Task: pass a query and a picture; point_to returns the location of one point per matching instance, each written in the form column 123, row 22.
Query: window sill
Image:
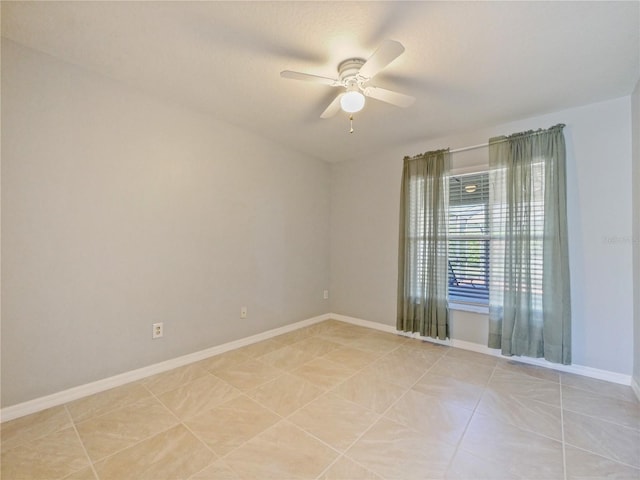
column 467, row 307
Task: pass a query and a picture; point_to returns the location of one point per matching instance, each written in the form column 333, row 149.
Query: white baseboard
column 636, row 387
column 65, row 396
column 476, row 347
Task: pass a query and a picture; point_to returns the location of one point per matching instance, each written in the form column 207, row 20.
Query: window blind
column 469, row 238
column 525, row 221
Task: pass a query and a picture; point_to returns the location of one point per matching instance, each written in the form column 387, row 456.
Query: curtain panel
column 530, row 310
column 422, row 253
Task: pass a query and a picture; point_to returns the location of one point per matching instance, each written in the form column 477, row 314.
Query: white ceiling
column 469, row 64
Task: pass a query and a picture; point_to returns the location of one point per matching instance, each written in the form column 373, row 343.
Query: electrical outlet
column 158, row 330
column 243, row 312
column 325, row 294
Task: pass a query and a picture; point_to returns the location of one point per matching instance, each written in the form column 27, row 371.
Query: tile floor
column 337, row 401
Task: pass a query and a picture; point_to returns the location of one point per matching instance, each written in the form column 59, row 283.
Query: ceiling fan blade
column 383, row 56
column 394, row 98
column 333, row 108
column 309, row 78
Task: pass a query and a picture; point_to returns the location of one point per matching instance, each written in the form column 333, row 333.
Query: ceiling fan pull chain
column 351, row 120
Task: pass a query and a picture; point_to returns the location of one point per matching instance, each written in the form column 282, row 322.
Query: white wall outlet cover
column 157, row 330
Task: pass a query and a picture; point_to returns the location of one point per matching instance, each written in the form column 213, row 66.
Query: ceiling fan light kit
column 352, row 101
column 354, row 75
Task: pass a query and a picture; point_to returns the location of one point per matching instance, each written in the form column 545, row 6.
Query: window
column 526, row 228
column 469, row 238
column 417, row 240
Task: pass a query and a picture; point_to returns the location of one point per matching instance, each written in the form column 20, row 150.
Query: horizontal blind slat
column 468, row 243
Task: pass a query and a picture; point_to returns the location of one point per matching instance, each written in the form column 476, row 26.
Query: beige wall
column 120, row 210
column 635, row 128
column 364, row 231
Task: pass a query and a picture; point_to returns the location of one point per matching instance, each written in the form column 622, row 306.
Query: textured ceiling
column 469, row 64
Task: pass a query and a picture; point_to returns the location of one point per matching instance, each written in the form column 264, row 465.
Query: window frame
column 462, row 304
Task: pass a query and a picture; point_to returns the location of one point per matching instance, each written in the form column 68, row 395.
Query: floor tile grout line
column 473, row 413
column 592, row 384
column 411, row 388
column 382, row 415
column 280, row 374
column 340, row 454
column 141, row 440
column 216, row 460
column 281, row 420
column 284, row 418
column 345, row 456
column 368, row 469
column 523, row 429
column 635, row 467
column 332, row 389
column 283, row 373
column 564, row 449
column 75, row 424
column 186, row 427
column 636, row 403
column 594, row 417
column 110, row 410
column 191, row 380
column 562, row 442
column 526, row 430
column 120, row 450
column 534, row 380
column 293, row 411
column 324, row 389
column 378, row 415
column 204, row 468
column 113, row 410
column 257, row 358
column 242, row 394
column 328, row 467
column 335, row 363
column 504, row 362
column 84, row 449
column 142, row 383
column 39, row 436
column 605, row 420
column 531, row 378
column 417, row 380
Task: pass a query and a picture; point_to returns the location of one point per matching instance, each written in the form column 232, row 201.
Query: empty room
column 320, row 240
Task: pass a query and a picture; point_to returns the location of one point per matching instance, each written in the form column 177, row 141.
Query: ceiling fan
column 354, row 75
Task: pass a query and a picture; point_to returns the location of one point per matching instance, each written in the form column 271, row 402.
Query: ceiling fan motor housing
column 348, row 70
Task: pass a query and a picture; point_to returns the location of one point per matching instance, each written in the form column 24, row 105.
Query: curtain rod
column 502, row 139
column 472, row 147
column 530, row 132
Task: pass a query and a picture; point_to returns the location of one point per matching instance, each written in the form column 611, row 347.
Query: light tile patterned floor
column 337, row 401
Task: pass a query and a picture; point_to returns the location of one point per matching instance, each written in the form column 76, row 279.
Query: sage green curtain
column 422, row 256
column 530, row 308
